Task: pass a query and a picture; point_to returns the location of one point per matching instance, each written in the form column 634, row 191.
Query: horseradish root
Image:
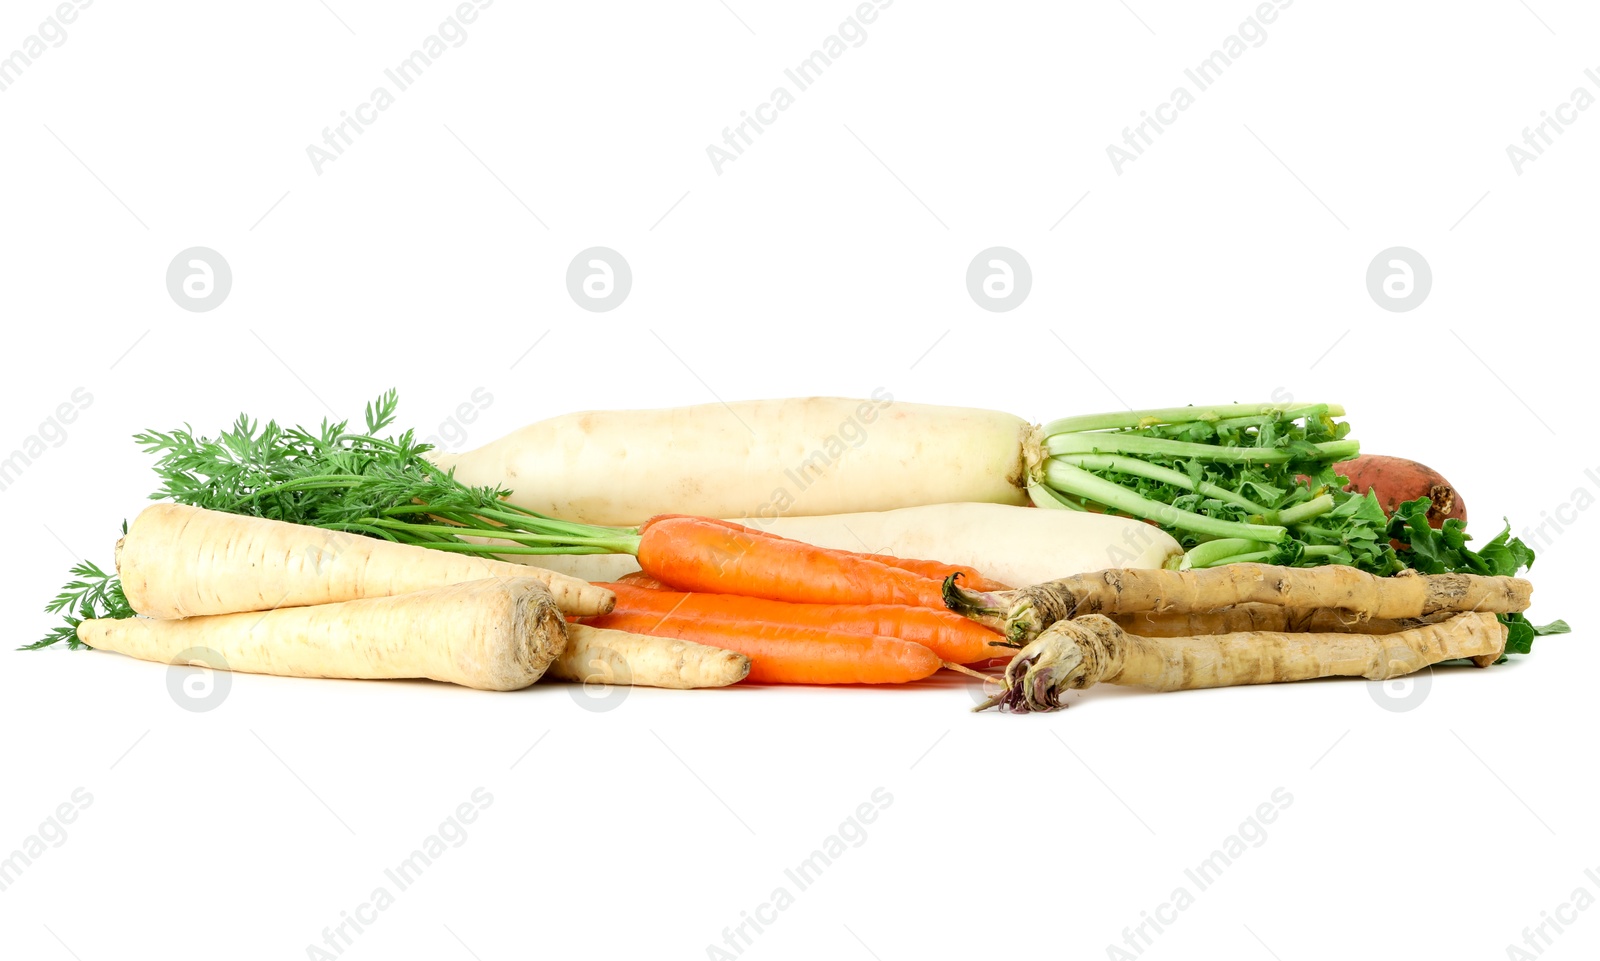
column 1264, row 617
column 1075, row 654
column 1022, row 614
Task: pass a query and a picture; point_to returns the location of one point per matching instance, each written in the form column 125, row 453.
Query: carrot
column 697, row 554
column 790, row 654
column 494, row 635
column 953, row 637
column 179, row 561
column 938, row 570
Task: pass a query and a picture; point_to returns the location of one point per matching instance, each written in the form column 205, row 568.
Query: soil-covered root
column 1022, row 614
column 1075, row 654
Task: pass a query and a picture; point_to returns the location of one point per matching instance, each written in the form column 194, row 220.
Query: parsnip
column 1075, row 654
column 494, row 635
column 178, row 561
column 600, row 655
column 815, row 455
column 1013, row 545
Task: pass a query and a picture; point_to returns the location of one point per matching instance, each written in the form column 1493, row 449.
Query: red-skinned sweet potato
column 1397, row 480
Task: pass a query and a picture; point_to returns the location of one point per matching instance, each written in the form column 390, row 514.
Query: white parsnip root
column 597, row 655
column 178, row 561
column 494, row 635
column 1075, row 654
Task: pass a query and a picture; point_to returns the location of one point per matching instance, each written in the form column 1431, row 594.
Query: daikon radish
column 814, row 455
column 1016, row 545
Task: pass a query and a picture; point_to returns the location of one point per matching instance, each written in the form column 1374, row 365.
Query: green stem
column 1204, row 555
column 1166, row 475
column 1250, row 558
column 492, row 549
column 535, row 523
column 1121, row 420
column 1161, row 447
column 1075, row 480
column 316, row 482
column 1300, row 513
column 1043, row 496
column 559, row 543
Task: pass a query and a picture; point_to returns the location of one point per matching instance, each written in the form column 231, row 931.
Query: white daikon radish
column 1014, row 545
column 764, row 458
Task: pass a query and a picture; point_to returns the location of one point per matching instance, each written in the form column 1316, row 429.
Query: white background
column 1227, row 263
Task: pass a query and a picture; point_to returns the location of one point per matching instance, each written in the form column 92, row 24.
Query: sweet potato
column 1397, row 480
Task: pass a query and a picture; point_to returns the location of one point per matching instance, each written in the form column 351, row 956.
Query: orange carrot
column 696, row 554
column 786, row 654
column 938, row 570
column 953, row 637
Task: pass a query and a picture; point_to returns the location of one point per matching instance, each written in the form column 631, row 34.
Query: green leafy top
column 1445, row 551
column 1271, row 469
column 1260, row 483
column 337, row 479
column 93, row 593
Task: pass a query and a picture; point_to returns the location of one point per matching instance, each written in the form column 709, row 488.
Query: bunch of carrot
column 801, row 613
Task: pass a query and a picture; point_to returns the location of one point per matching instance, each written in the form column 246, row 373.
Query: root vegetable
column 697, row 554
column 938, row 570
column 814, row 455
column 1013, row 545
column 952, row 637
column 1261, row 617
column 1022, row 614
column 1396, row 480
column 494, row 635
column 597, row 655
column 1075, row 654
column 789, row 654
column 178, row 561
